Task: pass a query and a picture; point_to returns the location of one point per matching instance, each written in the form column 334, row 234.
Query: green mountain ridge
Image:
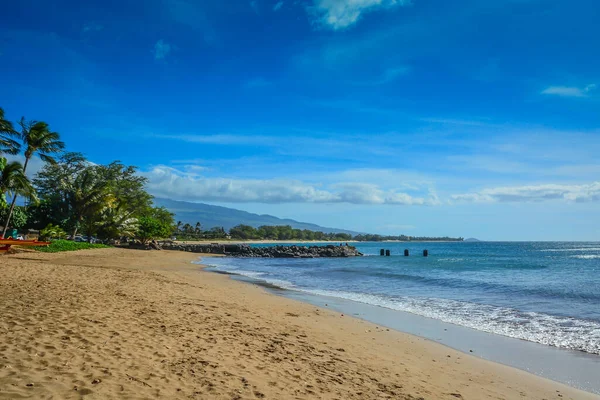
column 211, row 216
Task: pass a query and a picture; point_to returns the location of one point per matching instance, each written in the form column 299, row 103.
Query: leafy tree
column 13, row 182
column 127, row 200
column 55, row 184
column 37, row 138
column 19, row 219
column 100, row 199
column 7, row 143
column 52, row 232
column 243, row 232
column 88, row 199
column 187, row 230
column 216, row 232
column 150, row 227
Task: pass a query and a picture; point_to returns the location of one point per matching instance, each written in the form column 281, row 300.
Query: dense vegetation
column 283, row 233
column 246, row 232
column 68, row 245
column 404, row 238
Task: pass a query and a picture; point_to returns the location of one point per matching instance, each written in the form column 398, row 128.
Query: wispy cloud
column 341, row 14
column 187, row 184
column 570, row 91
column 254, row 5
column 534, row 193
column 223, row 139
column 278, row 6
column 35, row 163
column 161, row 49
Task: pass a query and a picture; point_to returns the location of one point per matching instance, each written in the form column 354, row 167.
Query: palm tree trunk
column 12, row 204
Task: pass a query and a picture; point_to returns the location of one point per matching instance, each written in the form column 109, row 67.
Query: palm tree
column 7, row 144
column 37, row 139
column 14, row 181
column 89, row 197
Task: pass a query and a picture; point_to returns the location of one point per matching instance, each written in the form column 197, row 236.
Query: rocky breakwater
column 244, row 250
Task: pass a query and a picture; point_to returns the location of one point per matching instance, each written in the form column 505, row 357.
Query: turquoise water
column 547, row 293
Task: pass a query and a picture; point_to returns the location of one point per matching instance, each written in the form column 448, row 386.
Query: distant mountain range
column 214, row 216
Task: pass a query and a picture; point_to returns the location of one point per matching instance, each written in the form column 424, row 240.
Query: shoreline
column 569, row 367
column 114, row 322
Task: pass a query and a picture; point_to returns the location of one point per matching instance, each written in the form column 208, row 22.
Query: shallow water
column 547, row 293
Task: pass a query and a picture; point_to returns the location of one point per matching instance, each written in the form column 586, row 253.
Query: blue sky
column 424, row 117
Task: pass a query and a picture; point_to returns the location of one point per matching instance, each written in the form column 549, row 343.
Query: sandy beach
column 115, row 323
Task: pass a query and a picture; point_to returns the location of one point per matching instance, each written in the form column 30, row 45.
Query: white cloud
column 278, row 6
column 569, row 91
column 34, row 166
column 225, row 139
column 535, row 193
column 187, row 184
column 161, row 49
column 341, row 14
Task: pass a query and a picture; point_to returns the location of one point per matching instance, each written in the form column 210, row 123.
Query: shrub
column 68, row 245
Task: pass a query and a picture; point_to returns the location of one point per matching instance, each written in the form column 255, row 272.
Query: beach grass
column 68, row 245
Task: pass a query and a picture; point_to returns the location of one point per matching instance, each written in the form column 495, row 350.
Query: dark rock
column 244, row 250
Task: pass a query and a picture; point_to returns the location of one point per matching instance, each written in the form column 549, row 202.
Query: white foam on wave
column 562, row 332
column 587, row 256
column 260, row 276
column 573, row 249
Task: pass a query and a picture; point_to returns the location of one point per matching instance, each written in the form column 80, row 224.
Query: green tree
column 8, row 144
column 243, row 232
column 127, row 200
column 217, row 232
column 100, row 199
column 154, row 227
column 88, row 199
column 20, row 217
column 13, row 182
column 55, row 186
column 52, row 232
column 37, row 138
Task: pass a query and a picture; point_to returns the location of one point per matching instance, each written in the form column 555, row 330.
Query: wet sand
column 115, row 323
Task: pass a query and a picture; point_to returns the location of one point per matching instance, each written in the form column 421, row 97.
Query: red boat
column 6, row 243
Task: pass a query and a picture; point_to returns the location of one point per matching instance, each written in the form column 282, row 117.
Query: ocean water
column 543, row 292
